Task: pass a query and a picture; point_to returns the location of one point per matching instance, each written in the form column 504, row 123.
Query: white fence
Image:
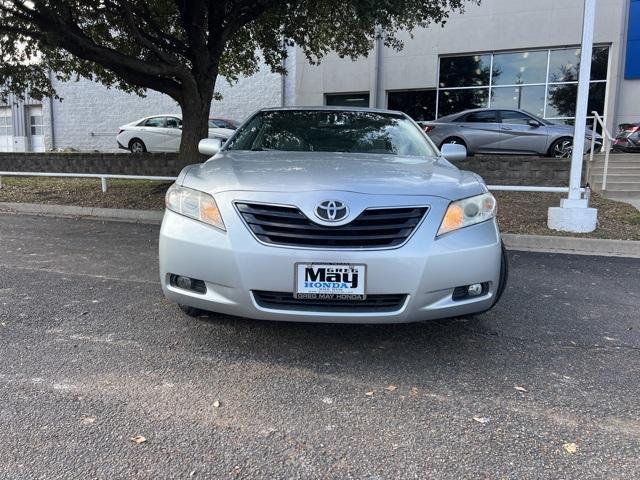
column 105, row 176
column 102, row 176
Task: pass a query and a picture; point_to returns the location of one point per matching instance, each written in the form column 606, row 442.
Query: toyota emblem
column 331, row 211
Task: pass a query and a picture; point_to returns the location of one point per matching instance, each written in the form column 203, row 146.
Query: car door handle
column 506, row 128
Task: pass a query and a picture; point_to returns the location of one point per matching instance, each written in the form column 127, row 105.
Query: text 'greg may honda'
column 331, row 215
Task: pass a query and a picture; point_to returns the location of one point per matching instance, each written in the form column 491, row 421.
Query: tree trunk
column 196, row 106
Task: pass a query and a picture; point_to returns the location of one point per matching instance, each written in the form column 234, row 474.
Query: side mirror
column 533, row 123
column 454, row 152
column 209, row 146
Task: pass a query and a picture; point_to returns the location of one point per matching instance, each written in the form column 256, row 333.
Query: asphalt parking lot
column 547, row 385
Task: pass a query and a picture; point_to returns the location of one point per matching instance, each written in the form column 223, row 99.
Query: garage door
column 6, row 130
column 37, row 128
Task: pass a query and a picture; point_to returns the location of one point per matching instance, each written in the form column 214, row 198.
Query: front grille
column 372, row 304
column 373, row 228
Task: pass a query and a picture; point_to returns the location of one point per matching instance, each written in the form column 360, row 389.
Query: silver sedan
column 331, row 215
column 505, row 131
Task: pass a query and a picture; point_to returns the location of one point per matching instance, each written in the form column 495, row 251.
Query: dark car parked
column 628, row 138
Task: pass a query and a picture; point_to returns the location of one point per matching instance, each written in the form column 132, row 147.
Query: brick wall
column 522, row 170
column 160, row 164
column 494, row 170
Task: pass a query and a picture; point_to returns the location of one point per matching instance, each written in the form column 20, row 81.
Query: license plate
column 330, row 281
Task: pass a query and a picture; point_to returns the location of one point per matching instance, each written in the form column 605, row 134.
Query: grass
column 518, row 212
column 136, row 194
column 526, row 213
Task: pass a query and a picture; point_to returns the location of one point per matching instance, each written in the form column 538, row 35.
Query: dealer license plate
column 330, row 281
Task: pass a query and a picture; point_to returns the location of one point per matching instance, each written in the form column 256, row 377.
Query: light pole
column 574, row 214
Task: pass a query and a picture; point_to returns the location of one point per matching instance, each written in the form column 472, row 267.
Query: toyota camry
column 331, row 215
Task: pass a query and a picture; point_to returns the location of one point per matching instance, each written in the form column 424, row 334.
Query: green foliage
column 180, row 47
column 174, row 45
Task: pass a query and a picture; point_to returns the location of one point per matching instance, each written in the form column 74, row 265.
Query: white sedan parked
column 162, row 133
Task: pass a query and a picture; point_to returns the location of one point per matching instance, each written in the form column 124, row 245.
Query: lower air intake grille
column 372, row 304
column 373, row 228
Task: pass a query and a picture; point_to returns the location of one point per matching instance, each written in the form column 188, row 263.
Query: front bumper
column 234, row 264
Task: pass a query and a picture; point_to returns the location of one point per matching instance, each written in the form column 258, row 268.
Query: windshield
column 332, row 131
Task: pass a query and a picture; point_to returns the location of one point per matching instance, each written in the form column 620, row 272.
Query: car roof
column 473, row 110
column 178, row 115
column 502, row 109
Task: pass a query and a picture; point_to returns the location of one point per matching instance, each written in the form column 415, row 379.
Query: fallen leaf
column 520, row 389
column 482, row 420
column 216, row 403
column 391, row 388
column 369, row 394
column 138, row 439
column 414, row 392
column 570, row 447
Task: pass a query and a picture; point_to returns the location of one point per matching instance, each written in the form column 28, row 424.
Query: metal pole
column 575, row 177
column 377, row 66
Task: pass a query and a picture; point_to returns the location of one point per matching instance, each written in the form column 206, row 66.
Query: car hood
column 315, row 171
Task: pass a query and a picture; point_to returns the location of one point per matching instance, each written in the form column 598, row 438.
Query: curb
column 572, row 245
column 114, row 214
column 526, row 243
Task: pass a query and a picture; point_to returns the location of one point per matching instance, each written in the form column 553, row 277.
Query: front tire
column 192, row 311
column 562, row 148
column 137, row 146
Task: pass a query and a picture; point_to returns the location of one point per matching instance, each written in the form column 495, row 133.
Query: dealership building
column 502, row 53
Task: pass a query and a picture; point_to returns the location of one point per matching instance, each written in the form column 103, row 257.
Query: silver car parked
column 505, row 131
column 331, row 215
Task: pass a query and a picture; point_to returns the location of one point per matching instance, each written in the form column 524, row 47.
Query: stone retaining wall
column 495, row 170
column 160, row 164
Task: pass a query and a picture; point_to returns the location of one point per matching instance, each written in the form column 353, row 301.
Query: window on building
column 6, row 130
column 36, row 123
column 542, row 82
column 456, row 100
column 467, row 71
column 561, row 100
column 6, row 125
column 418, row 104
column 349, row 100
column 519, row 68
column 529, row 98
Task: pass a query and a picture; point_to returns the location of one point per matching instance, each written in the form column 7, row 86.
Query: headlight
column 194, row 204
column 468, row 211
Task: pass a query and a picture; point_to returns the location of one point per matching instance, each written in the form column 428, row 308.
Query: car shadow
column 354, row 349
